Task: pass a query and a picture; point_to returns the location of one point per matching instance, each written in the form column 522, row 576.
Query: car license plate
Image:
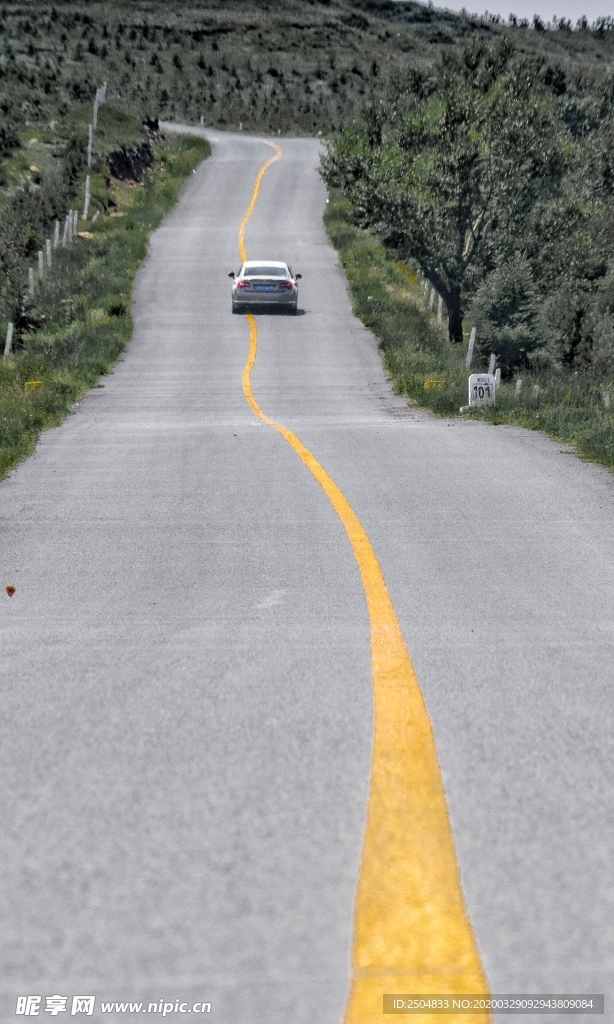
column 264, row 287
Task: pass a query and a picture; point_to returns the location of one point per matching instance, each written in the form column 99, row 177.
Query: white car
column 264, row 283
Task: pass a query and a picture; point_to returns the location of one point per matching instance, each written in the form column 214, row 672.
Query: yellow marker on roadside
column 412, row 934
column 33, row 385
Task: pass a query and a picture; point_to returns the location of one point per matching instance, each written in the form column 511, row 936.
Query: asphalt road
column 187, row 707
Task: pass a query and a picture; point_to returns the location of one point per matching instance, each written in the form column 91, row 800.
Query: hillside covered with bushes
column 299, row 66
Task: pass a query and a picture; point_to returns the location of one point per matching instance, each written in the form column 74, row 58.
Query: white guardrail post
column 86, row 204
column 9, row 339
column 470, row 349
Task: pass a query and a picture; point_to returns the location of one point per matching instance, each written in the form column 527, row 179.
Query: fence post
column 439, row 309
column 41, row 265
column 86, row 205
column 491, row 363
column 518, row 387
column 75, row 215
column 48, row 247
column 432, row 298
column 470, row 349
column 9, row 339
column 31, row 281
column 56, row 234
column 90, row 141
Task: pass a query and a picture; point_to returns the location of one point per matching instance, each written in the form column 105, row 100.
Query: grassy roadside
column 79, row 320
column 574, row 408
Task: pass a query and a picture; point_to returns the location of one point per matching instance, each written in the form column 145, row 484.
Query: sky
column 572, row 9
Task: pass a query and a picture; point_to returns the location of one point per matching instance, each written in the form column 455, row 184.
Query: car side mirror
column 297, row 277
column 232, row 273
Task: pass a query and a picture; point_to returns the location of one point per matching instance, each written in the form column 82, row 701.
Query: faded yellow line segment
column 411, row 930
column 250, row 208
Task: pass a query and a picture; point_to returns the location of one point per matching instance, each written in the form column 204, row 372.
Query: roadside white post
column 48, row 248
column 31, row 282
column 96, row 216
column 86, row 205
column 491, row 363
column 439, row 309
column 41, row 265
column 606, row 399
column 90, row 141
column 75, row 221
column 470, row 349
column 536, row 391
column 56, row 234
column 482, row 389
column 432, row 298
column 202, row 118
column 8, row 340
column 497, row 377
column 518, row 387
column 96, row 102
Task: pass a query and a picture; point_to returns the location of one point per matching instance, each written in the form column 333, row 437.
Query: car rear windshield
column 264, row 272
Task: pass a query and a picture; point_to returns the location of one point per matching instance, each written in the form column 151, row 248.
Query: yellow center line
column 411, row 929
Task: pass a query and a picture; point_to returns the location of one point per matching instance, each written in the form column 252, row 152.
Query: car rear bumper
column 266, row 299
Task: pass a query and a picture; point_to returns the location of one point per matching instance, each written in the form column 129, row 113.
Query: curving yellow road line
column 412, row 933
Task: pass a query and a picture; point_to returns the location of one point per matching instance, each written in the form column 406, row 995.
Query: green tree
column 443, row 174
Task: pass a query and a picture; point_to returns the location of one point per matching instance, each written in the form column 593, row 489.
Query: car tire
column 294, row 308
column 235, row 308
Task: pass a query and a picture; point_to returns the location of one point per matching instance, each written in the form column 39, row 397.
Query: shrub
column 503, row 311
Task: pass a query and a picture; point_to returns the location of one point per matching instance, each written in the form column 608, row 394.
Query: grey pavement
column 187, row 696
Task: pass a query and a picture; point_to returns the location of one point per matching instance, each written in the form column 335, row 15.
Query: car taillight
column 243, row 284
column 288, row 285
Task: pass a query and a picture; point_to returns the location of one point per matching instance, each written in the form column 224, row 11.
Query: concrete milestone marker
column 482, row 388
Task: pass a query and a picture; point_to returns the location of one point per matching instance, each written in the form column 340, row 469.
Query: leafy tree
column 445, row 174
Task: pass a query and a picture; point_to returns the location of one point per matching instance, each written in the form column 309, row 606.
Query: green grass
column 80, row 315
column 389, row 299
